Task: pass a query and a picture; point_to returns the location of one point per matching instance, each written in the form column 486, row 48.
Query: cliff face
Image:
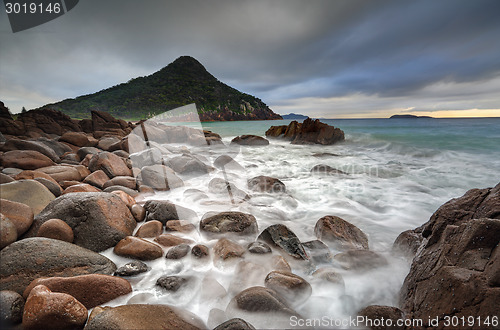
column 182, row 82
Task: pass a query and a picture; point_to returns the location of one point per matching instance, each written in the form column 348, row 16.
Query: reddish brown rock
column 168, row 240
column 150, row 229
column 68, row 183
column 138, row 212
column 80, row 187
column 126, row 198
column 340, row 233
column 182, row 226
column 225, row 249
column 138, row 248
column 59, row 310
column 78, row 139
column 97, row 179
column 19, row 214
column 25, row 159
column 91, row 290
column 62, row 173
column 143, row 317
column 56, row 229
column 110, row 163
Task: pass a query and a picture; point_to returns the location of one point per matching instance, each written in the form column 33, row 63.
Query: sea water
column 399, row 171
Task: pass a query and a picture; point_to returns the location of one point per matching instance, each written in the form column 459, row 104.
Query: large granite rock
column 309, row 132
column 266, row 184
column 99, row 220
column 143, row 317
column 456, row 269
column 45, row 308
column 25, row 260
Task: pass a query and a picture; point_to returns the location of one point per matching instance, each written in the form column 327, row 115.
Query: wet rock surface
column 280, row 236
column 60, row 310
column 138, row 248
column 460, row 248
column 91, row 290
column 132, row 268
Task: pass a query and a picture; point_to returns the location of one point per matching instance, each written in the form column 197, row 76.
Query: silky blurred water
column 399, row 171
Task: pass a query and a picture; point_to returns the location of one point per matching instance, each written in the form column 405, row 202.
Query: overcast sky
column 329, row 58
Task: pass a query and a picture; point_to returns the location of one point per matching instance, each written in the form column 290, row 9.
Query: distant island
column 294, row 116
column 182, row 82
column 408, row 117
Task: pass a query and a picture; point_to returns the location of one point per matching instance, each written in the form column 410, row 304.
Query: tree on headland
column 23, row 110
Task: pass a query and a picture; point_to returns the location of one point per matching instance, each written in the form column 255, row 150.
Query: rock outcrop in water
column 455, row 272
column 308, row 132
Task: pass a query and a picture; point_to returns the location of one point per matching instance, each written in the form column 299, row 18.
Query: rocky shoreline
column 71, row 190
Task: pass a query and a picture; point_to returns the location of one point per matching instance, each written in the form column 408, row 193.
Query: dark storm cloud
column 278, row 50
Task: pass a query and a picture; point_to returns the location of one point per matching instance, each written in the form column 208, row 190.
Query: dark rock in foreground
column 309, row 132
column 456, row 269
column 99, row 220
column 31, row 258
